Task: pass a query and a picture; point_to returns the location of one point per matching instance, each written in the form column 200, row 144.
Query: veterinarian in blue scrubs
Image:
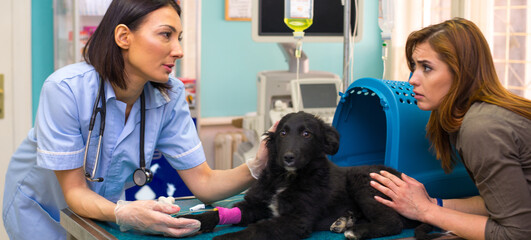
column 454, row 77
column 132, row 52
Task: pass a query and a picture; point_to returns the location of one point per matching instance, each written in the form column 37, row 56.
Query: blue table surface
column 185, row 204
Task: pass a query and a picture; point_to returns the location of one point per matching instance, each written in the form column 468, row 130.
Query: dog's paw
column 342, row 223
column 350, row 235
column 208, row 220
column 339, row 225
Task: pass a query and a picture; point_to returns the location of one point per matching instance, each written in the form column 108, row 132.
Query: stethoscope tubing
column 142, row 129
column 102, row 111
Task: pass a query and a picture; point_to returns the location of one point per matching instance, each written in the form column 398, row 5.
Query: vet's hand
column 153, row 217
column 408, row 196
column 258, row 163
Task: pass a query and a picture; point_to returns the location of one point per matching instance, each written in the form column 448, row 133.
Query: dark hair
column 101, row 50
column 460, row 44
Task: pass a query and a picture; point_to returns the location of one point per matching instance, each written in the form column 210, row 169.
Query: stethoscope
column 142, row 175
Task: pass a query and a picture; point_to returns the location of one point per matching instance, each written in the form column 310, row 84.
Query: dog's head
column 300, row 138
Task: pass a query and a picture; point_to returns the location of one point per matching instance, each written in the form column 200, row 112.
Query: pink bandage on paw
column 229, row 215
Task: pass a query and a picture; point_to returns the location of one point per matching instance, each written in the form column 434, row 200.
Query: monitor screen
column 268, row 21
column 323, row 95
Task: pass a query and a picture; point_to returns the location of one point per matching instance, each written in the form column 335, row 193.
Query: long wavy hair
column 101, row 50
column 461, row 45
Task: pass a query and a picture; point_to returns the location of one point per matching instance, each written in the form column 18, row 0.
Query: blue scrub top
column 33, row 197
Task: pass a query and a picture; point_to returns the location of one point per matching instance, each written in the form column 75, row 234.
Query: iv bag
column 386, row 17
column 298, row 14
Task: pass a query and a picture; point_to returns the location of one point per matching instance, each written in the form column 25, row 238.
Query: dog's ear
column 270, row 144
column 269, row 138
column 331, row 140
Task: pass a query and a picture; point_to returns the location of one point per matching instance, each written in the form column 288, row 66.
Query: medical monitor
column 268, row 21
column 318, row 96
column 321, row 95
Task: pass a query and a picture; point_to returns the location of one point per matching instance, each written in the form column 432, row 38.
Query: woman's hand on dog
column 258, row 163
column 408, row 196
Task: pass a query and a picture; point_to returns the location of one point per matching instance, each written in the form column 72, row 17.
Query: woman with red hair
column 475, row 120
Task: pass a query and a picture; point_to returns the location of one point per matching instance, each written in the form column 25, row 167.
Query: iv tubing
column 384, row 57
column 298, row 52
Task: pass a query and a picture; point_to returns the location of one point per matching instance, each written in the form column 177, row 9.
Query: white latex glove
column 150, row 216
column 257, row 164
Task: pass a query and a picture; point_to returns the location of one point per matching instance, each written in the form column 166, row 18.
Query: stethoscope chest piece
column 142, row 176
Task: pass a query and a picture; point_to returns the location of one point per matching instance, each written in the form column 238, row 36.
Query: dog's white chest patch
column 274, row 202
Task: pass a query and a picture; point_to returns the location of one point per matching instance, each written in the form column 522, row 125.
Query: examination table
column 86, row 229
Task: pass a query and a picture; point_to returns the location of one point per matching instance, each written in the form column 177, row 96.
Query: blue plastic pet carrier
column 379, row 123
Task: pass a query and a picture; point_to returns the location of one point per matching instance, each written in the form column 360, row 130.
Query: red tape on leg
column 229, row 215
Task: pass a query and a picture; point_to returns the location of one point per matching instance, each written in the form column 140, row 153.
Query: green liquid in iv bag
column 298, row 14
column 298, row 24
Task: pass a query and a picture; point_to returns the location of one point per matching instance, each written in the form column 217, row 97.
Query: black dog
column 301, row 191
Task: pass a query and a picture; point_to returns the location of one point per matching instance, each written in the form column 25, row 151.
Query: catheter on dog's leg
column 219, row 216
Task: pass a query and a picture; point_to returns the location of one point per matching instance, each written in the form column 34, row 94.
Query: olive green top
column 495, row 146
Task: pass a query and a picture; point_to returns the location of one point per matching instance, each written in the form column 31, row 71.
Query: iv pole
column 346, row 44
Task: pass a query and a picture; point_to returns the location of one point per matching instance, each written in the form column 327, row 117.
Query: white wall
column 15, row 65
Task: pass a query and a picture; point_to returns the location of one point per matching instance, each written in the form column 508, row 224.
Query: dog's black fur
column 301, row 191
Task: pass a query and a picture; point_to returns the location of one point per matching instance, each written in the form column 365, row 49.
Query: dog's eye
column 306, row 134
column 283, row 133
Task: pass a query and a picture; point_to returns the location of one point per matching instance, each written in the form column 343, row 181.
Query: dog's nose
column 289, row 158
